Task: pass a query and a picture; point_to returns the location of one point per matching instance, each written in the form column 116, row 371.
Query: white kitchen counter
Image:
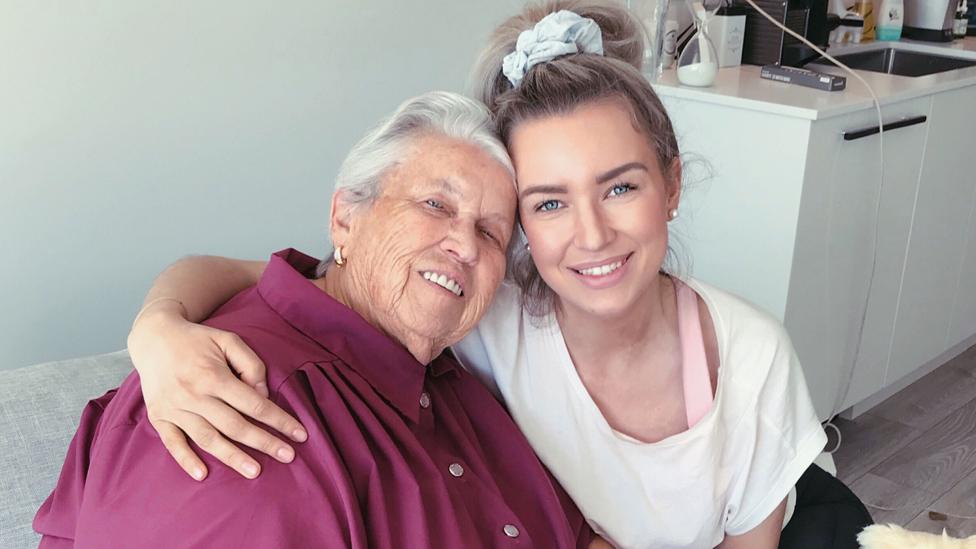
column 741, row 87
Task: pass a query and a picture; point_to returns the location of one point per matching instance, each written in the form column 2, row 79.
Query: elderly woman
column 415, row 452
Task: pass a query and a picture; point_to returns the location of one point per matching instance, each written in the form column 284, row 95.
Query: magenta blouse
column 399, row 454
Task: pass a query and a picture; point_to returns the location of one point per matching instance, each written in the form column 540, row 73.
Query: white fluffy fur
column 889, row 536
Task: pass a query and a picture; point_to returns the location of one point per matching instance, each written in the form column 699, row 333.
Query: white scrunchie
column 560, row 33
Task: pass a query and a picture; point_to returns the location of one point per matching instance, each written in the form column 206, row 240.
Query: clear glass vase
column 653, row 16
column 698, row 63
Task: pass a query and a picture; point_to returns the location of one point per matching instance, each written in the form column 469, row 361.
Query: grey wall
column 135, row 132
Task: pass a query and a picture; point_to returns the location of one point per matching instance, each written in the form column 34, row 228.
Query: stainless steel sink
column 900, row 62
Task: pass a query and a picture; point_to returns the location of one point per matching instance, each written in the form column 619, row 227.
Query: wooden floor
column 914, row 455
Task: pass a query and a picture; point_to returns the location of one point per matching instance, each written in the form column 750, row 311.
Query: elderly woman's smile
column 425, row 258
column 445, row 281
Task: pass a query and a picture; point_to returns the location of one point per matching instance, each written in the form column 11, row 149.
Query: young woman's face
column 594, row 205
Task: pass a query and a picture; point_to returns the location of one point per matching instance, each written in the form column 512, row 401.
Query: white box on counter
column 727, row 30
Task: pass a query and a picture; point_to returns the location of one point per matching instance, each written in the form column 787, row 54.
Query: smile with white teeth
column 602, row 270
column 444, row 282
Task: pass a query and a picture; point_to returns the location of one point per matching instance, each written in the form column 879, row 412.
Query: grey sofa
column 40, row 407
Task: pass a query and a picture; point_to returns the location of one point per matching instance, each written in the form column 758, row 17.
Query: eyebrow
column 620, row 170
column 495, row 216
column 445, row 186
column 600, row 179
column 543, row 189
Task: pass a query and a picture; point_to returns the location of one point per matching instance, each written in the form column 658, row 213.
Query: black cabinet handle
column 903, row 123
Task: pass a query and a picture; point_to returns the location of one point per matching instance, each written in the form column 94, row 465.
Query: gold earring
column 337, row 256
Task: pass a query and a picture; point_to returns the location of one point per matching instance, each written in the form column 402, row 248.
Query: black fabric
column 827, row 515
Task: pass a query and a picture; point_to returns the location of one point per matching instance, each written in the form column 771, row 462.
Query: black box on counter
column 803, row 77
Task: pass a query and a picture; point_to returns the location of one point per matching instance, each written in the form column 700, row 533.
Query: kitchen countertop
column 741, row 87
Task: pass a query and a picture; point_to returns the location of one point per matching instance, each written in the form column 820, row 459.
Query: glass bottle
column 653, row 15
column 961, row 22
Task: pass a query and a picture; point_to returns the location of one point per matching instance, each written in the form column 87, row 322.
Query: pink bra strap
column 694, row 365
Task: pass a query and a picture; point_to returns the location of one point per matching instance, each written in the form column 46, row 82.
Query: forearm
column 204, row 283
column 198, row 382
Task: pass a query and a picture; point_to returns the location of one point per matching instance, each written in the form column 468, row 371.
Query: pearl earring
column 337, row 256
column 672, row 213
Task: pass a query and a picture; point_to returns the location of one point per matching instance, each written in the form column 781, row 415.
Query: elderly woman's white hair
column 444, row 113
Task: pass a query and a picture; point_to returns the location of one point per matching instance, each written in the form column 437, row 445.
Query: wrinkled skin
column 449, row 208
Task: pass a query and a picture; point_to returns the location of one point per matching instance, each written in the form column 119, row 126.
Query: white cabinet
column 962, row 322
column 937, row 246
column 787, row 219
column 848, row 242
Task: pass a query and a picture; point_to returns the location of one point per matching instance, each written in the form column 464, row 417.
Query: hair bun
column 622, row 32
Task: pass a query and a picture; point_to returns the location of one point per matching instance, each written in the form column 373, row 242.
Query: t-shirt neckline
column 552, row 335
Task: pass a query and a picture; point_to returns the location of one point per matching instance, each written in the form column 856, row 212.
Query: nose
column 592, row 231
column 461, row 242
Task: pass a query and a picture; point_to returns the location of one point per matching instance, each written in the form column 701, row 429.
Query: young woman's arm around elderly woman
column 189, row 389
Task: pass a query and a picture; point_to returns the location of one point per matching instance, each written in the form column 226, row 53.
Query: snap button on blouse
column 511, row 531
column 456, row 469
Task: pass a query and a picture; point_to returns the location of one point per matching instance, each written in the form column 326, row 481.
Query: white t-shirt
column 724, row 475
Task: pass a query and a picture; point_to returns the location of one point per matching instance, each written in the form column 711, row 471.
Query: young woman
column 675, row 414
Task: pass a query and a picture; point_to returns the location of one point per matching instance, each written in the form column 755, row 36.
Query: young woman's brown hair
column 565, row 83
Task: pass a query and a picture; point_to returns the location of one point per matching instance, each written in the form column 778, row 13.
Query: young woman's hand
column 201, row 383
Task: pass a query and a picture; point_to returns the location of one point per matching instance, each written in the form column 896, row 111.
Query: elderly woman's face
column 429, row 253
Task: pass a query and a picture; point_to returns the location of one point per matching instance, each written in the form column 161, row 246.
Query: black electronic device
column 765, row 43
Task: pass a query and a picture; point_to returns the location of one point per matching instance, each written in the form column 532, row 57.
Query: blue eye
column 548, row 206
column 620, row 188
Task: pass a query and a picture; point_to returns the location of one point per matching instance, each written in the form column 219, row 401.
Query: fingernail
column 285, row 454
column 300, row 435
column 197, row 473
column 250, row 470
column 262, row 389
